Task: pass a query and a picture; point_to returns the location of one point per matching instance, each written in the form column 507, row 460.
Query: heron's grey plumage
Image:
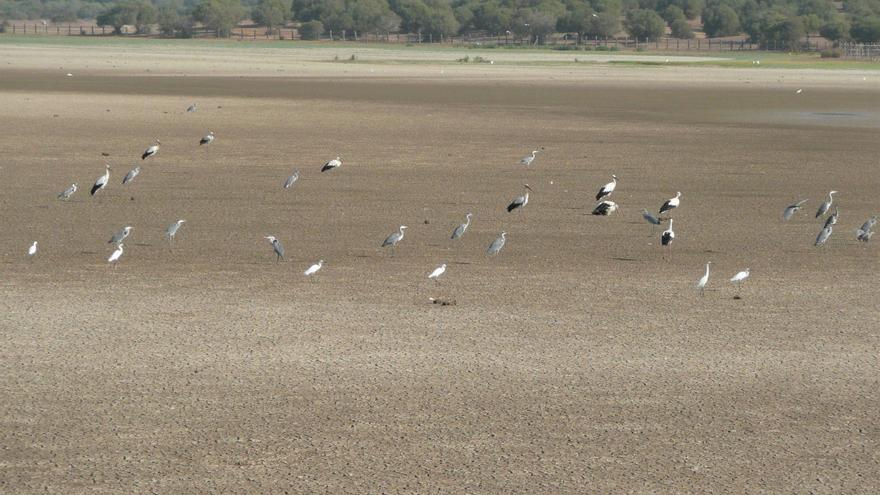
column 826, row 205
column 67, row 193
column 131, row 175
column 649, row 217
column 172, row 229
column 528, row 159
column 192, row 108
column 461, row 229
column 832, row 220
column 292, row 179
column 276, row 245
column 791, row 209
column 823, row 236
column 394, row 238
column 497, row 244
column 869, row 224
column 118, row 237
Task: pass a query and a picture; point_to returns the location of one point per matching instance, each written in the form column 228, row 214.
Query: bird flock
column 604, row 207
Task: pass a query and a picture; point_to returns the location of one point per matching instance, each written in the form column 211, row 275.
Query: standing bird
column 605, row 208
column 394, row 238
column 528, row 159
column 671, row 203
column 67, row 193
column 823, row 236
column 314, row 268
column 701, row 284
column 497, row 244
column 291, row 180
column 461, row 229
column 832, row 220
column 520, row 201
column 207, row 138
column 114, row 258
column 667, row 237
column 791, row 209
column 276, row 245
column 650, row 218
column 607, row 189
column 438, row 272
column 131, row 175
column 826, row 205
column 152, row 150
column 192, row 108
column 120, row 236
column 334, row 163
column 32, row 250
column 101, row 182
column 171, row 231
column 739, row 278
column 865, row 232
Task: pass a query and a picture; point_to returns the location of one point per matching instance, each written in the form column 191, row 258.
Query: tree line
column 763, row 21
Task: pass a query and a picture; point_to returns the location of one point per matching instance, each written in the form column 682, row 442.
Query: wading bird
column 314, row 268
column 671, row 203
column 151, row 151
column 171, row 231
column 67, row 193
column 330, row 165
column 520, row 201
column 739, row 278
column 291, row 180
column 438, row 272
column 114, row 258
column 701, row 284
column 650, row 218
column 826, row 205
column 605, row 208
column 667, row 237
column 101, row 182
column 528, row 159
column 823, row 236
column 461, row 229
column 192, row 108
column 497, row 244
column 131, row 175
column 276, row 245
column 832, row 220
column 207, row 138
column 32, row 250
column 607, row 189
column 120, row 236
column 393, row 239
column 865, row 232
column 791, row 209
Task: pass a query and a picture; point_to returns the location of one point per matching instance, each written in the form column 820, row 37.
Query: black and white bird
column 120, row 236
column 395, row 238
column 671, row 203
column 101, row 182
column 701, row 284
column 461, row 229
column 207, row 138
column 438, row 272
column 314, row 268
column 32, row 250
column 172, row 229
column 791, row 209
column 67, row 193
column 497, row 244
column 276, row 245
column 520, row 201
column 528, row 159
column 192, row 108
column 823, row 236
column 131, row 175
column 832, row 220
column 668, row 235
column 607, row 189
column 151, row 151
column 330, row 165
column 114, row 258
column 605, row 208
column 291, row 180
column 826, row 205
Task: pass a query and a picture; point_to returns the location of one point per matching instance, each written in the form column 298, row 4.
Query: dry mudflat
column 578, row 360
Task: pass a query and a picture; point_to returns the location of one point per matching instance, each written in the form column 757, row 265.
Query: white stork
column 605, row 208
column 207, row 138
column 671, row 203
column 607, row 189
column 330, row 165
column 101, row 182
column 152, row 150
column 520, row 201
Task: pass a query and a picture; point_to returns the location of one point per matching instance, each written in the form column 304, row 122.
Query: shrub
column 681, row 29
column 311, row 30
column 832, row 53
column 644, row 24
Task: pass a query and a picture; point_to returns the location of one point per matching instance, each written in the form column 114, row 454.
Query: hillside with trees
column 763, row 22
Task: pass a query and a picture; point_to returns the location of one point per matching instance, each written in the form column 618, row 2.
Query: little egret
column 32, row 250
column 739, row 278
column 114, row 258
column 314, row 268
column 438, row 272
column 701, row 284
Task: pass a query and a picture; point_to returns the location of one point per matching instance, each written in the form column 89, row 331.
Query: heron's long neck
column 707, row 269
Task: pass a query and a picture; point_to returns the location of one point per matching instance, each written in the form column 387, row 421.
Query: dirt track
column 576, row 361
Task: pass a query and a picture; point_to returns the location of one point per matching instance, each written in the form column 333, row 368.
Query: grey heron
column 791, row 209
column 393, row 239
column 701, row 284
column 520, row 201
column 276, row 245
column 207, row 138
column 823, row 236
column 314, row 268
column 120, row 236
column 131, row 175
column 192, row 108
column 671, row 203
column 826, row 205
column 497, row 244
column 114, row 258
column 739, row 278
column 461, row 229
column 607, row 189
column 330, row 165
column 152, row 150
column 32, row 250
column 528, row 159
column 101, row 182
column 605, row 208
column 438, row 272
column 865, row 232
column 291, row 180
column 67, row 193
column 832, row 220
column 171, row 231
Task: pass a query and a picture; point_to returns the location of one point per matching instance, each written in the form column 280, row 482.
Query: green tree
column 604, row 25
column 270, row 13
column 720, row 20
column 219, row 15
column 681, row 29
column 137, row 13
column 866, row 30
column 644, row 24
column 672, row 13
column 836, row 29
column 311, row 30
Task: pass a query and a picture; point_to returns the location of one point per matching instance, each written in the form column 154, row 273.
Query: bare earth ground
column 576, row 361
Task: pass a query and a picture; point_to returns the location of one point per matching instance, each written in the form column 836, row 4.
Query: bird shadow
column 625, row 259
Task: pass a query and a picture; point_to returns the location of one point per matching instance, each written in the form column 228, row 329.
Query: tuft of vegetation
column 833, row 53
